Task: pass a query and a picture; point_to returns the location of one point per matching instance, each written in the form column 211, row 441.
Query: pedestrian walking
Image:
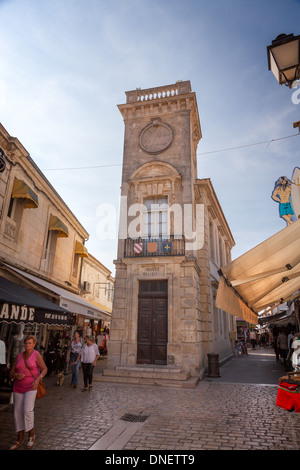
column 275, row 346
column 290, row 339
column 75, row 350
column 253, row 339
column 27, row 371
column 282, row 343
column 88, row 356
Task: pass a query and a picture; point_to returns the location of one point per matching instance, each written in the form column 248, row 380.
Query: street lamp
column 284, row 58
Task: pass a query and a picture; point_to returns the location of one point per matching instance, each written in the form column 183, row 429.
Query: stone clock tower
column 157, row 330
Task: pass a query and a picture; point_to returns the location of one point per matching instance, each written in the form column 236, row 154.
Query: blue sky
column 65, row 66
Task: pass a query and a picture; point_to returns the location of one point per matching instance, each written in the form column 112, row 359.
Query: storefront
column 242, row 329
column 85, row 316
column 24, row 312
column 287, row 317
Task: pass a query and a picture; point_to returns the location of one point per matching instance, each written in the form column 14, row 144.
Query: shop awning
column 279, row 319
column 68, row 300
column 57, row 225
column 264, row 277
column 22, row 191
column 81, row 250
column 18, row 304
column 283, row 317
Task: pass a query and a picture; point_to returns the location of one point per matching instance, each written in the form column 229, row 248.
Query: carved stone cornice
column 155, row 179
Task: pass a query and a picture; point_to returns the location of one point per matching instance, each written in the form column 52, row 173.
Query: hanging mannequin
column 89, row 330
column 16, row 344
column 2, row 352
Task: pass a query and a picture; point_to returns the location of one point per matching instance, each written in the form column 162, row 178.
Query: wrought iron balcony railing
column 147, row 247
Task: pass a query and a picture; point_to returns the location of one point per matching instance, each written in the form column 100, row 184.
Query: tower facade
column 159, row 316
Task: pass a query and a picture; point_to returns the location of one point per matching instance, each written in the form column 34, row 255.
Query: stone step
column 161, row 377
column 148, row 372
column 191, row 382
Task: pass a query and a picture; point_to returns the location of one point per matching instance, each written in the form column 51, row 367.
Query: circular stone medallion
column 156, row 137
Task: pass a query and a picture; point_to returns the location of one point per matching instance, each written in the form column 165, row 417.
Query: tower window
column 155, row 217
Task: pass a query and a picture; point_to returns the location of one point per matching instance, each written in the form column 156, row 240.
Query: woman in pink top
column 25, row 389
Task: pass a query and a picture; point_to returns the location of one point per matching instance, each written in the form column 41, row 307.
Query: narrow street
column 236, row 411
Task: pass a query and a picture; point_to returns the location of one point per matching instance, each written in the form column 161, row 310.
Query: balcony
column 149, row 247
column 158, row 93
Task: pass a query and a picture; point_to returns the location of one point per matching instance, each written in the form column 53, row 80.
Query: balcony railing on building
column 148, row 247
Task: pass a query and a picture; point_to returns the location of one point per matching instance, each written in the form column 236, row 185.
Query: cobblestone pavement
column 227, row 413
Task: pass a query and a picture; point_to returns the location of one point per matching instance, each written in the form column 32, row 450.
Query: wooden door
column 153, row 324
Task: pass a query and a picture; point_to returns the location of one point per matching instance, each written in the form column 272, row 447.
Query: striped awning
column 57, row 225
column 81, row 250
column 22, row 191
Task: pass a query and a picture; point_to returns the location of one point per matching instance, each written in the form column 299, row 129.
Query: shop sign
column 152, row 271
column 24, row 313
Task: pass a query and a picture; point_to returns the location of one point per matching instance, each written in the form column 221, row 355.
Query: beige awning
column 21, row 190
column 57, row 225
column 264, row 277
column 81, row 250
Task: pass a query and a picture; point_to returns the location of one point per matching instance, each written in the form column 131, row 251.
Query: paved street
column 234, row 412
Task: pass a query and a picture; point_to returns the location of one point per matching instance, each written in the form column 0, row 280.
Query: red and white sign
column 138, row 248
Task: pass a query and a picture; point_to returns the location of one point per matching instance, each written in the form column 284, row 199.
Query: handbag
column 41, row 390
